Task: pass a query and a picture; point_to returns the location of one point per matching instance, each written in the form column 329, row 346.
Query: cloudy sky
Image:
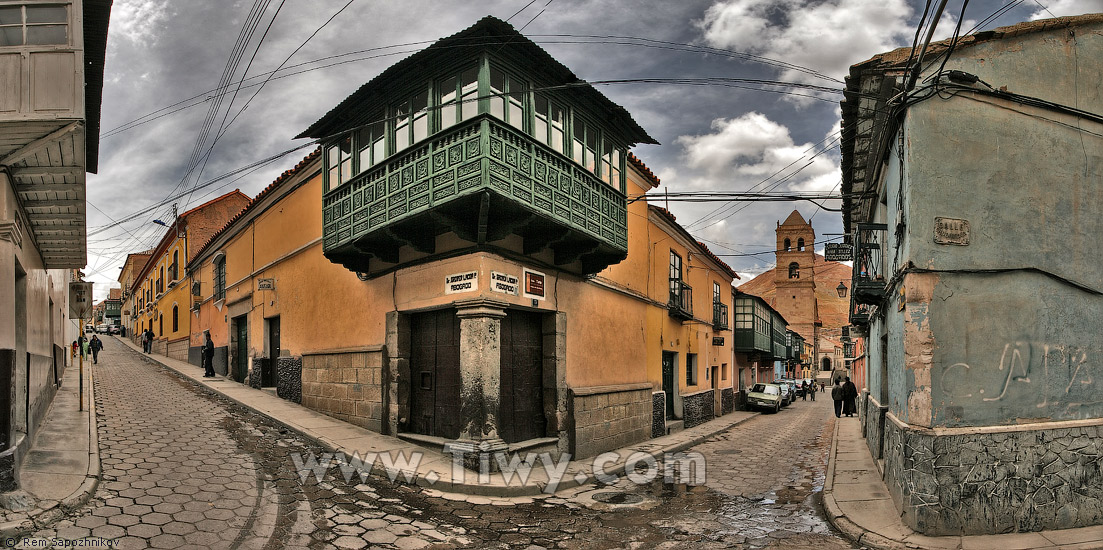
column 165, row 59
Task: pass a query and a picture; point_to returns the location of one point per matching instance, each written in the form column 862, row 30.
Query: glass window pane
column 11, row 36
column 497, row 91
column 557, row 117
column 419, row 106
column 576, row 148
column 47, row 34
column 11, row 15
column 540, row 129
column 469, row 94
column 46, row 14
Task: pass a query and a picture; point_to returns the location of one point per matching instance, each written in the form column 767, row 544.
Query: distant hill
column 834, row 311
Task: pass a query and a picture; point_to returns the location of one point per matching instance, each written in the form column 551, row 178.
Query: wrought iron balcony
column 868, row 283
column 681, row 299
column 719, row 316
column 483, row 181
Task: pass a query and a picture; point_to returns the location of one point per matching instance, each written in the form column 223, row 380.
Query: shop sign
column 534, row 284
column 504, row 283
column 461, row 282
column 838, row 252
column 266, row 284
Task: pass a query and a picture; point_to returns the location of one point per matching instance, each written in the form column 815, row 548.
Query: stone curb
column 418, row 478
column 43, row 516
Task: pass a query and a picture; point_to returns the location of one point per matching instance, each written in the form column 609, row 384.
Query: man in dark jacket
column 837, row 397
column 95, row 345
column 850, row 394
column 208, row 355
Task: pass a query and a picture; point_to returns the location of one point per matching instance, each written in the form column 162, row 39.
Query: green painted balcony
column 482, row 181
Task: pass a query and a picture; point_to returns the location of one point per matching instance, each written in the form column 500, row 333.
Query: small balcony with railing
column 719, row 316
column 868, row 280
column 681, row 300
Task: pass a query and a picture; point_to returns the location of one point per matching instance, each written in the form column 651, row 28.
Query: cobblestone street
column 183, row 468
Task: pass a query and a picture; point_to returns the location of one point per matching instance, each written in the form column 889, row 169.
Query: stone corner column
column 480, row 380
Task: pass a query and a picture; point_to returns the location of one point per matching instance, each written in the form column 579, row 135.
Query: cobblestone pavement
column 184, row 468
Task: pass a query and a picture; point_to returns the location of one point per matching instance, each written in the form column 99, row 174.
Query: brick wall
column 177, row 349
column 345, row 385
column 605, row 418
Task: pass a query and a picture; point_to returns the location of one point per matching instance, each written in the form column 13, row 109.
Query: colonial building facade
column 460, row 265
column 51, row 78
column 975, row 198
column 163, row 297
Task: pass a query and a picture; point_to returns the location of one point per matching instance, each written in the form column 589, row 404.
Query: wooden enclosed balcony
column 483, row 182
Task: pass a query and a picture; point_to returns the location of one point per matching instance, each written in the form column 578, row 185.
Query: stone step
column 675, row 426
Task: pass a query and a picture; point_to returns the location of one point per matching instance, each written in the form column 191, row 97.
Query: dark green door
column 668, row 381
column 241, row 348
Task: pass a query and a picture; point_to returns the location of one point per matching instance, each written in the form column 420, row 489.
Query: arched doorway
column 826, row 363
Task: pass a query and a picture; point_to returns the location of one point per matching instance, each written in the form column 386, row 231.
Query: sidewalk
column 858, row 503
column 435, row 469
column 62, row 468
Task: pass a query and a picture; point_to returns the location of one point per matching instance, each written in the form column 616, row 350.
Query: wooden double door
column 435, row 383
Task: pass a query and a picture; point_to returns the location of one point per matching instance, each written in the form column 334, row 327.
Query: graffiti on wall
column 1046, row 375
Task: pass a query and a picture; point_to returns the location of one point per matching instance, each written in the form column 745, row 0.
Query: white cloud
column 138, row 20
column 1061, row 8
column 753, row 148
column 827, row 36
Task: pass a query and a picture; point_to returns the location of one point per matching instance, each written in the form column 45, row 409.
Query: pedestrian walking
column 821, row 387
column 804, row 391
column 208, row 355
column 95, row 345
column 850, row 394
column 148, row 335
column 84, row 347
column 812, row 390
column 837, row 397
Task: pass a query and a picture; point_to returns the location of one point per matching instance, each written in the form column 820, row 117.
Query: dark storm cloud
column 163, row 52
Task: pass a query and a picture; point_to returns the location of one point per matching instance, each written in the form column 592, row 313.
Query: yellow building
column 160, row 291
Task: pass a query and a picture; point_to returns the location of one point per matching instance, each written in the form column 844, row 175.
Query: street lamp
column 159, row 222
column 841, row 289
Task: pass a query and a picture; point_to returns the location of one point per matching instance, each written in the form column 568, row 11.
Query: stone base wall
column 221, row 359
column 658, row 414
column 727, row 400
column 256, row 373
column 698, row 408
column 1003, row 482
column 289, row 378
column 346, row 385
column 177, row 349
column 608, row 417
column 160, row 347
column 741, row 400
column 873, row 424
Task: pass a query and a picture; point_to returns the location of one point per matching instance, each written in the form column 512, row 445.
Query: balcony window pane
column 469, row 93
column 46, row 14
column 47, row 34
column 401, row 127
column 371, row 145
column 558, row 118
column 579, row 137
column 540, row 124
column 497, row 94
column 333, row 162
column 419, row 106
column 346, row 159
column 11, row 15
column 449, row 92
column 591, row 150
column 11, row 36
column 614, row 175
column 516, row 106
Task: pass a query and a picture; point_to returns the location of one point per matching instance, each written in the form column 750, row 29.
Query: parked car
column 786, row 392
column 102, row 328
column 113, row 329
column 89, row 328
column 765, row 396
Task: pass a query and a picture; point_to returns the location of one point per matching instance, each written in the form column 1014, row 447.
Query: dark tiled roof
column 489, row 34
column 647, row 173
